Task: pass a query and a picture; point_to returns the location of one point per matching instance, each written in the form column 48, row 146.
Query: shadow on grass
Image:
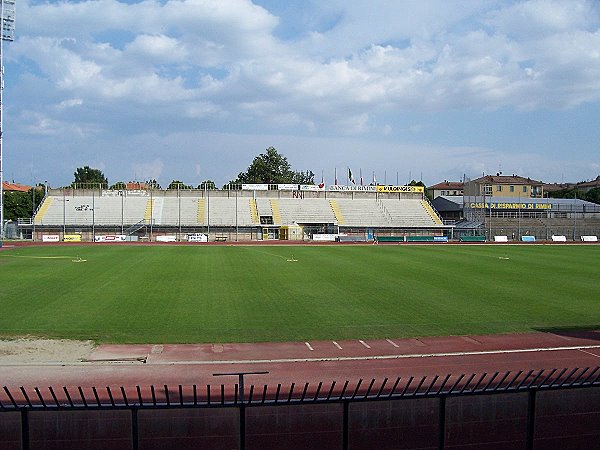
column 591, row 332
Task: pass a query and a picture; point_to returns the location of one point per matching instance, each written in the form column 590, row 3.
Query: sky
column 192, row 90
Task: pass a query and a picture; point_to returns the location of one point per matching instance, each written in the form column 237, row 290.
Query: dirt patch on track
column 44, row 350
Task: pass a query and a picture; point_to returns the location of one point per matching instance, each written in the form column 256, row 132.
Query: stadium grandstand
column 242, row 212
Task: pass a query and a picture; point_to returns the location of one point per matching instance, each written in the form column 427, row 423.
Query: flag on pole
column 350, row 177
column 335, row 176
column 374, row 179
column 361, row 178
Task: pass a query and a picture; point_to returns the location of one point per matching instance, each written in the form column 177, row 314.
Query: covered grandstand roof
column 450, row 202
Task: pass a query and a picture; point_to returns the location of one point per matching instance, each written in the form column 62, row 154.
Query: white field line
column 322, row 359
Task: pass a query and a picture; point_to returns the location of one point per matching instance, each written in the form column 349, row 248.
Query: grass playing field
column 182, row 294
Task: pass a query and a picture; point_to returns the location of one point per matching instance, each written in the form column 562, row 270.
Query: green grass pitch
column 185, row 294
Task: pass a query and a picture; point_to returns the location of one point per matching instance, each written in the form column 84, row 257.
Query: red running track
column 313, row 362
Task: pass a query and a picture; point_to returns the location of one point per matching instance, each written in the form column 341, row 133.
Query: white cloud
column 148, row 170
column 362, row 69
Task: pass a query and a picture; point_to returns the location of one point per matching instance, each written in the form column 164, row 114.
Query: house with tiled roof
column 504, row 186
column 14, row 187
column 587, row 186
column 445, row 188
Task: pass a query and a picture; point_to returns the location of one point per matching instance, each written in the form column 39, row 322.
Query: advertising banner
column 255, row 187
column 166, row 238
column 418, row 189
column 509, row 205
column 197, row 237
column 312, row 187
column 352, row 188
column 72, row 238
column 325, row 237
column 440, row 239
column 110, row 238
column 50, row 238
column 287, row 187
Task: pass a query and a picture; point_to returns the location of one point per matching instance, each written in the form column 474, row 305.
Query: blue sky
column 193, row 90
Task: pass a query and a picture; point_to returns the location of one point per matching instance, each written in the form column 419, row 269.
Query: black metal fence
column 557, row 408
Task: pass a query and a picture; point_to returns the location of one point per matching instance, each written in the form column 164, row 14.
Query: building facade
column 504, row 186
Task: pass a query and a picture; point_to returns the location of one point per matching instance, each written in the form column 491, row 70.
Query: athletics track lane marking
column 309, row 346
column 590, row 353
column 393, row 343
column 337, row 345
column 364, row 343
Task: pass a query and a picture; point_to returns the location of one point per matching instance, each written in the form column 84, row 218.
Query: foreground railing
column 333, row 414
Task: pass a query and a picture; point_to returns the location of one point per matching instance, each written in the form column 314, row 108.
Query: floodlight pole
column 7, row 33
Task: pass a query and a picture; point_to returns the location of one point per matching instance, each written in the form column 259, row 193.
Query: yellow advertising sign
column 515, row 205
column 72, row 238
column 418, row 189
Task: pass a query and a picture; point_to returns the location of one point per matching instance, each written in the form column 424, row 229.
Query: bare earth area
column 44, row 350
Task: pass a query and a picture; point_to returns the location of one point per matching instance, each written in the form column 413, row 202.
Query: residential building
column 504, row 186
column 445, row 188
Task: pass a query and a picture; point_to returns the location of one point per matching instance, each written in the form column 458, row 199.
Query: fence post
column 24, row 429
column 530, row 419
column 442, row 423
column 242, row 407
column 134, row 429
column 345, row 427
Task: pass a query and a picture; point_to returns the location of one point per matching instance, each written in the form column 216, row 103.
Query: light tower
column 7, row 30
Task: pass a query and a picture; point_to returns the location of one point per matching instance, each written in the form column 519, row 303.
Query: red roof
column 14, row 187
column 505, row 179
column 448, row 185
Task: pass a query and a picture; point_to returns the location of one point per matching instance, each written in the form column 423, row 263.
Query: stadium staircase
column 149, row 210
column 337, row 212
column 42, row 211
column 434, row 215
column 254, row 212
column 135, row 227
column 275, row 211
column 201, row 213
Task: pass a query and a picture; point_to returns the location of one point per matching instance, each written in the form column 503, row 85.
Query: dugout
column 291, row 233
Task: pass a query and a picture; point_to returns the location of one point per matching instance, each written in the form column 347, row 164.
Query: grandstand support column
column 93, row 217
column 574, row 209
column 207, row 192
column 179, row 212
column 122, row 212
column 236, row 216
column 33, row 212
column 151, row 214
column 490, row 218
column 519, row 220
column 64, row 214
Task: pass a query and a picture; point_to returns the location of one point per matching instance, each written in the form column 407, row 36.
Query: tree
column 21, row 204
column 87, row 175
column 272, row 168
column 153, row 184
column 119, row 185
column 207, row 184
column 176, row 184
column 567, row 193
column 593, row 195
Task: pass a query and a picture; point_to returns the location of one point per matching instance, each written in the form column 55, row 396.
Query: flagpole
column 335, row 176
